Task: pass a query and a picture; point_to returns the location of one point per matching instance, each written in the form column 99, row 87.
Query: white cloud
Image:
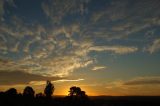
column 56, row 81
column 63, row 66
column 68, row 80
column 50, row 56
column 98, row 68
column 114, row 49
column 37, row 82
column 154, row 47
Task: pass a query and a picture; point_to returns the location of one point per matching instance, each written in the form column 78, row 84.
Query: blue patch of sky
column 95, row 5
column 128, row 66
column 142, row 39
column 8, row 11
column 30, row 11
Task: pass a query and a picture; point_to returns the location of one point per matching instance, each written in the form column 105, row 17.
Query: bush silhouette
column 28, row 91
column 11, row 91
column 49, row 89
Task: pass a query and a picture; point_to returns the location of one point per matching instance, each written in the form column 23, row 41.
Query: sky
column 106, row 47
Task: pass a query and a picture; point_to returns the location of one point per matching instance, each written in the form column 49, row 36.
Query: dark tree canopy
column 76, row 97
column 28, row 91
column 76, row 91
column 11, row 91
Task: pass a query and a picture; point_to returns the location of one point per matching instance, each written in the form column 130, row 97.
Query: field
column 126, row 100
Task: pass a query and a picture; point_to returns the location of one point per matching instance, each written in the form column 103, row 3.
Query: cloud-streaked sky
column 115, row 44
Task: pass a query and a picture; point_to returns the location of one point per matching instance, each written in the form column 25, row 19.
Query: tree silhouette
column 28, row 91
column 72, row 91
column 49, row 89
column 76, row 91
column 11, row 91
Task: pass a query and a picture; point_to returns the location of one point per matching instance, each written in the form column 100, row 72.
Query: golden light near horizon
column 63, row 88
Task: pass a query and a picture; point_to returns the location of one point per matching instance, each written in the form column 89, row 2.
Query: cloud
column 56, row 81
column 98, row 68
column 68, row 80
column 148, row 85
column 3, row 46
column 128, row 22
column 58, row 52
column 15, row 49
column 19, row 77
column 65, row 44
column 27, row 46
column 48, row 52
column 19, row 29
column 114, row 49
column 154, row 47
column 63, row 66
column 144, row 81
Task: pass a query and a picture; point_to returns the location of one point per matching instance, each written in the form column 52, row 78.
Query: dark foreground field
column 20, row 100
column 126, row 100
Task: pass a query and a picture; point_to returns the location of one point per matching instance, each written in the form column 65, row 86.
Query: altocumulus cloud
column 66, row 45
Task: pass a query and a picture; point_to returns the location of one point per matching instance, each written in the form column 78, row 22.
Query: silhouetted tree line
column 11, row 97
column 76, row 97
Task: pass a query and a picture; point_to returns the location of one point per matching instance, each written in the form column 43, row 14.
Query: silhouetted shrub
column 11, row 91
column 28, row 91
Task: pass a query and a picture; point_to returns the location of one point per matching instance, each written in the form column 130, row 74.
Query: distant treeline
column 76, row 97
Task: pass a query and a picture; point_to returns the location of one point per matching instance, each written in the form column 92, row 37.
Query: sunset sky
column 106, row 47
